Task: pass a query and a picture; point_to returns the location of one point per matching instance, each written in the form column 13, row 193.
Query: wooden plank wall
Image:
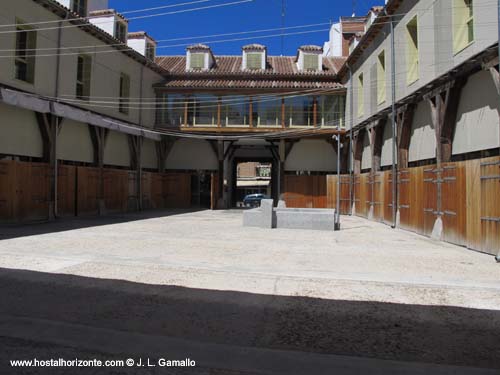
column 24, row 191
column 331, row 195
column 305, row 191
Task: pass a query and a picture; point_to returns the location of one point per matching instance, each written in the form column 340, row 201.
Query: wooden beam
column 98, row 137
column 163, row 149
column 404, row 120
column 376, row 143
column 358, row 150
column 135, row 145
column 49, row 127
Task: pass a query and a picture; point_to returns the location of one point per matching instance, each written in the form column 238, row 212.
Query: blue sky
column 259, row 14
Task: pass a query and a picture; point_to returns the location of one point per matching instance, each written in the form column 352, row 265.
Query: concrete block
column 281, row 204
column 298, row 218
column 261, row 217
column 437, row 230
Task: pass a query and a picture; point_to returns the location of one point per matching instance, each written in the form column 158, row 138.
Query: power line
column 138, row 17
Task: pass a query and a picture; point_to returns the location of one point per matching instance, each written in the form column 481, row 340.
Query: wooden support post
column 163, row 149
column 283, row 113
column 135, row 145
column 358, row 150
column 49, row 127
column 219, row 110
column 282, row 153
column 250, row 112
column 404, row 119
column 444, row 105
column 98, row 137
column 315, row 111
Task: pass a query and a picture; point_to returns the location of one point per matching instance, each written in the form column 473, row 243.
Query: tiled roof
column 232, row 65
column 281, row 73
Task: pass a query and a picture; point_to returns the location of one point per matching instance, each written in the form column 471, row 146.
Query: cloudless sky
column 259, row 14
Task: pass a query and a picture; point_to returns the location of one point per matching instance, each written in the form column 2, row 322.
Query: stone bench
column 290, row 218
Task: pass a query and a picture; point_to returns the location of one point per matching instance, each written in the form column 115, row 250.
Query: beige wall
column 477, row 118
column 117, row 150
column 386, row 155
column 19, row 132
column 423, row 138
column 192, row 154
column 74, row 142
column 366, row 159
column 312, row 155
column 149, row 159
column 106, row 67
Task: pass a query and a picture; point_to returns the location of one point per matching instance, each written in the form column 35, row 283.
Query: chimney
column 110, row 21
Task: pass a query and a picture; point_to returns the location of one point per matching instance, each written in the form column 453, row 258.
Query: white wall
column 423, row 138
column 19, row 132
column 191, row 154
column 312, row 155
column 477, row 118
column 74, row 142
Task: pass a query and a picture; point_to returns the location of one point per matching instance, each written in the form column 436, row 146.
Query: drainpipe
column 56, row 120
column 394, row 128
column 498, row 20
column 351, row 146
column 337, row 210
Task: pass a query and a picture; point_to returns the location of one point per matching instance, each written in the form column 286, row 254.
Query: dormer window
column 254, row 57
column 197, row 61
column 150, row 51
column 310, row 62
column 121, row 31
column 79, row 7
column 310, row 58
column 199, row 57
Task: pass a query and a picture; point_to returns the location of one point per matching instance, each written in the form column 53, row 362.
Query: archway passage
column 252, row 180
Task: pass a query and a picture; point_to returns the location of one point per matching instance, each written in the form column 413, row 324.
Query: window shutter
column 254, row 61
column 381, row 79
column 310, row 62
column 197, row 60
column 412, row 63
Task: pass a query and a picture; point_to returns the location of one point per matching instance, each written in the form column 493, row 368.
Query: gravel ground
column 367, row 291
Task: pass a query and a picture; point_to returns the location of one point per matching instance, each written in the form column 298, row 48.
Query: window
column 121, row 31
column 254, row 60
column 300, row 111
column 331, row 110
column 150, row 51
column 412, row 56
column 266, row 111
column 83, row 74
column 202, row 110
column 79, row 7
column 124, row 93
column 197, row 61
column 463, row 24
column 310, row 62
column 25, row 54
column 361, row 95
column 170, row 109
column 381, row 79
column 236, row 110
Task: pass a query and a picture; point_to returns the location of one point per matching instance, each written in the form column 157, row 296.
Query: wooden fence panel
column 306, row 191
column 146, row 190
column 66, row 190
column 177, row 190
column 404, row 207
column 8, row 191
column 474, row 204
column 157, row 197
column 416, row 221
column 362, row 194
column 33, row 183
column 214, row 190
column 490, row 206
column 132, row 200
column 116, row 190
column 87, row 191
column 429, row 199
column 331, row 199
column 454, row 200
column 378, row 196
column 387, row 177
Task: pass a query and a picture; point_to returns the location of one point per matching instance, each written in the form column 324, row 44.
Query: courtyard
column 198, row 282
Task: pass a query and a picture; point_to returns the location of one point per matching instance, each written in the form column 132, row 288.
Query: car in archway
column 253, row 200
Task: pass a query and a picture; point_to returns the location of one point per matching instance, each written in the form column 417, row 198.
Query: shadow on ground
column 9, row 231
column 414, row 333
